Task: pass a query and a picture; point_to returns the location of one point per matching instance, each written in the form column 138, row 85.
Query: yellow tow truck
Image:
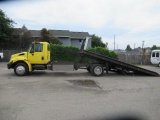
column 38, row 58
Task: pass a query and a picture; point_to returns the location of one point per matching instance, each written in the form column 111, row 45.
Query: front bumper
column 9, row 65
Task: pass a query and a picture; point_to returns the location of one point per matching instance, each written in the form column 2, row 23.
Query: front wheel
column 159, row 65
column 97, row 70
column 21, row 69
column 89, row 70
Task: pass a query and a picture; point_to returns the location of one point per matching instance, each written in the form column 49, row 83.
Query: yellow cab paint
column 38, row 53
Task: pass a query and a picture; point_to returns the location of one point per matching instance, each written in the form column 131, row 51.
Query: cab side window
column 38, row 47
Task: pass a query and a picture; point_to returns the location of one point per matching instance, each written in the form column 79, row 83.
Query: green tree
column 24, row 27
column 154, row 47
column 128, row 48
column 55, row 40
column 97, row 41
column 6, row 29
column 47, row 37
column 158, row 48
column 21, row 38
column 26, row 39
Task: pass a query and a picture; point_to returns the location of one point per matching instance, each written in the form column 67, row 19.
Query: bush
column 113, row 55
column 99, row 50
column 70, row 53
column 63, row 53
column 104, row 52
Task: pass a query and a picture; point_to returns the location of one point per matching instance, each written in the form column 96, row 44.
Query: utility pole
column 106, row 44
column 142, row 45
column 142, row 52
column 114, row 42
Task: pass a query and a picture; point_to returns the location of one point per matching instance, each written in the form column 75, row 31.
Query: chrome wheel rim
column 20, row 70
column 98, row 70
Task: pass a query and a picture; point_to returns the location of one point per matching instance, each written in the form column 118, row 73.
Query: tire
column 21, row 69
column 89, row 70
column 159, row 65
column 97, row 70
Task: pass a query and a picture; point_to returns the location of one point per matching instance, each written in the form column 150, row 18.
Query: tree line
column 13, row 38
column 154, row 47
column 9, row 39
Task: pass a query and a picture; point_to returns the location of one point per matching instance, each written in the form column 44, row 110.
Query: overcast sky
column 132, row 21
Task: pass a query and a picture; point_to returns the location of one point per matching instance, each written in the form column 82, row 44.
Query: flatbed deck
column 118, row 65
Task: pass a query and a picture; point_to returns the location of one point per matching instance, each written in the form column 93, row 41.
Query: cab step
column 39, row 67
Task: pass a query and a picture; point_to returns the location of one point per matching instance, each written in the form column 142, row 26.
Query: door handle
column 42, row 58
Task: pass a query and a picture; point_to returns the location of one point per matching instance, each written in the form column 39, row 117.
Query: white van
column 155, row 57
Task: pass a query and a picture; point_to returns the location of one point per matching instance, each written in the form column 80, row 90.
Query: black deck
column 118, row 64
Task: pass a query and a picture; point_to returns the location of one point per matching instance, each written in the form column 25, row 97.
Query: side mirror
column 31, row 51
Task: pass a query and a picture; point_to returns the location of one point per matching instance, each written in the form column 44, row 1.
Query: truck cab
column 36, row 58
column 39, row 53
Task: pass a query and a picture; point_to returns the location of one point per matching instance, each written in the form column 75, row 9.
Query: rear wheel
column 97, row 70
column 159, row 65
column 21, row 69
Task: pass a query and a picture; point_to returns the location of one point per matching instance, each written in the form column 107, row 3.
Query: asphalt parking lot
column 45, row 95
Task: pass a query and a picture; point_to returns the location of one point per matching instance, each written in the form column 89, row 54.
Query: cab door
column 36, row 54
